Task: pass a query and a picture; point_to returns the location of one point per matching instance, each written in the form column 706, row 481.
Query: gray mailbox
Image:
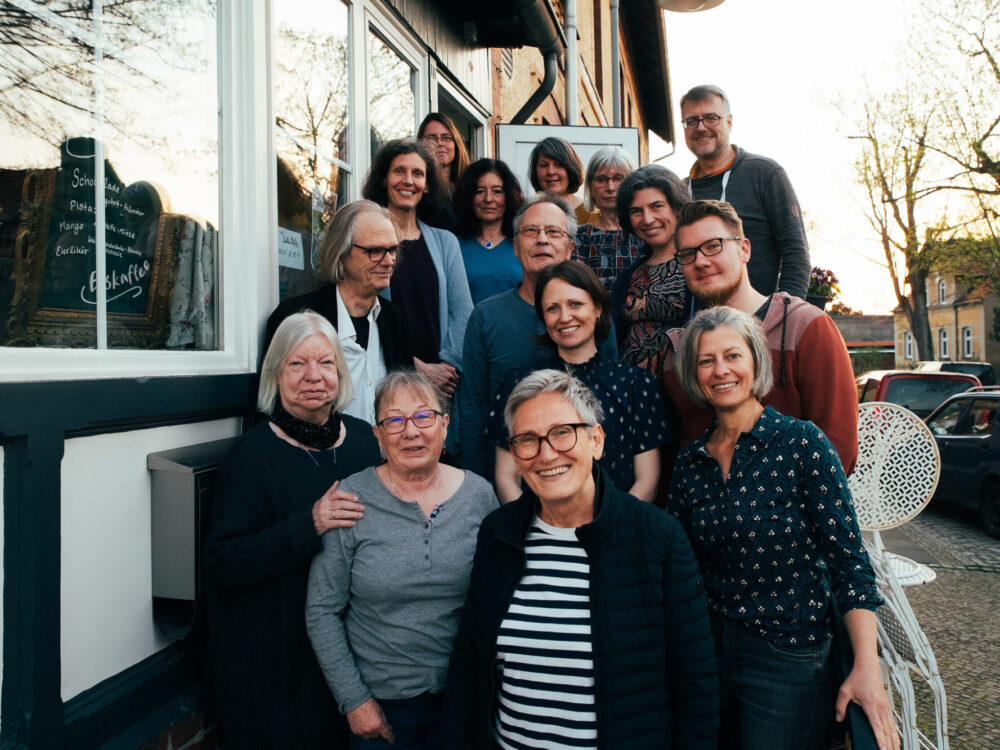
column 182, row 484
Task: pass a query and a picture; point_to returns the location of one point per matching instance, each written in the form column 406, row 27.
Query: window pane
column 132, row 89
column 311, row 130
column 391, row 89
column 945, row 422
column 982, row 415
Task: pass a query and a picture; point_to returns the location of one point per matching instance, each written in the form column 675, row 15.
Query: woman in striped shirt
column 585, row 624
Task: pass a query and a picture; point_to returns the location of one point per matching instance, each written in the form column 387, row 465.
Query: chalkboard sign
column 55, row 296
column 131, row 216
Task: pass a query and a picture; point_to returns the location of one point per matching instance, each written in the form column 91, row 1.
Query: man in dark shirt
column 757, row 187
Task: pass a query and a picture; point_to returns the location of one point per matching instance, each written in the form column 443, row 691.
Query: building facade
column 165, row 173
column 961, row 313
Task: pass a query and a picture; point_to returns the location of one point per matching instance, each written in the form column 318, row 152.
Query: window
column 982, row 415
column 947, row 420
column 392, row 88
column 109, row 177
column 311, row 130
column 942, row 291
column 943, row 343
column 967, row 342
column 908, row 345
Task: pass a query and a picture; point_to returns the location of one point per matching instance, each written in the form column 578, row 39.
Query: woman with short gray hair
column 764, row 500
column 585, row 624
column 384, row 596
column 277, row 496
column 601, row 243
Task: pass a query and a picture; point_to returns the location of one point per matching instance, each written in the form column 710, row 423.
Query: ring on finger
column 334, row 514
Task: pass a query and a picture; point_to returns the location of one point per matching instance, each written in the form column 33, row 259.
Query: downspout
column 536, row 17
column 616, row 88
column 572, row 103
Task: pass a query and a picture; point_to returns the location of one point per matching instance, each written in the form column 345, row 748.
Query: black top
column 654, row 661
column 391, row 327
column 260, row 542
column 414, row 289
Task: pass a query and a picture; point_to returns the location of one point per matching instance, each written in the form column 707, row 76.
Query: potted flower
column 823, row 287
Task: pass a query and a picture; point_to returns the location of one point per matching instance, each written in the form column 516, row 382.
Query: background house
column 187, row 154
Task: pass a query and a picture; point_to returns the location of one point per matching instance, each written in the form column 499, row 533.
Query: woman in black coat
column 586, row 621
column 277, row 495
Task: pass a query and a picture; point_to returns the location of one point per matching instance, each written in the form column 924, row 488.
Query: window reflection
column 391, row 88
column 138, row 100
column 311, row 90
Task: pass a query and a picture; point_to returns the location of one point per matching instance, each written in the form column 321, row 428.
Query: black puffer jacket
column 655, row 675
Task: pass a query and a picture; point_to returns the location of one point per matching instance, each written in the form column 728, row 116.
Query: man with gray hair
column 504, row 332
column 357, row 256
column 757, row 187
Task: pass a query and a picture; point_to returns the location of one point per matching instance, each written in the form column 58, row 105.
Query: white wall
column 107, row 608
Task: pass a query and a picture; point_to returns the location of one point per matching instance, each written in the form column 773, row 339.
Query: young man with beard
column 813, row 378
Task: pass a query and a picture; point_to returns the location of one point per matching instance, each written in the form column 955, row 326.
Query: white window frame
column 907, row 345
column 943, row 343
column 244, row 274
column 967, row 342
column 942, row 291
column 482, row 144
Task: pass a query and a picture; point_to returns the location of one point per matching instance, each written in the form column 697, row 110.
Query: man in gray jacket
column 757, row 187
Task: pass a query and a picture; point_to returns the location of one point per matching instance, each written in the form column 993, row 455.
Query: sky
column 785, row 64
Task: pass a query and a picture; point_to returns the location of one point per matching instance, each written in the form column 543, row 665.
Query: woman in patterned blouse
column 602, row 243
column 651, row 297
column 764, row 499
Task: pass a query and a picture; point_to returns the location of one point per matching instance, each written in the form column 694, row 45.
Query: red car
column 919, row 391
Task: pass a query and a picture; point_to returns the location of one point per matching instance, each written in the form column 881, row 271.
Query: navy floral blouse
column 635, row 419
column 760, row 536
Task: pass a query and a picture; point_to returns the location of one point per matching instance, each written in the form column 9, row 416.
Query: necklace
column 490, row 244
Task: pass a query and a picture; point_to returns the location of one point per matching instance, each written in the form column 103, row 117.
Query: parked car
column 965, row 429
column 920, row 392
column 982, row 370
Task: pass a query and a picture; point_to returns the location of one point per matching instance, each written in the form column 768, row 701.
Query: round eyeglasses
column 560, row 438
column 375, row 254
column 686, row 255
column 420, row 419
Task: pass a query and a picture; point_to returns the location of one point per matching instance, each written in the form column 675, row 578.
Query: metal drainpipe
column 572, row 103
column 536, row 17
column 616, row 88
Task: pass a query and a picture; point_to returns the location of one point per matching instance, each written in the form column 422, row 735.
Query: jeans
column 773, row 697
column 414, row 722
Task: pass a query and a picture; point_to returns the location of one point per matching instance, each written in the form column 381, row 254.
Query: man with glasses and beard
column 813, row 378
column 358, row 255
column 757, row 187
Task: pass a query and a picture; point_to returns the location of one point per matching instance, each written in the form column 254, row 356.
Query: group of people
column 573, row 477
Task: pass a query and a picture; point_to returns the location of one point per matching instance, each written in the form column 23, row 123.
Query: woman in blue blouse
column 487, row 197
column 571, row 302
column 764, row 500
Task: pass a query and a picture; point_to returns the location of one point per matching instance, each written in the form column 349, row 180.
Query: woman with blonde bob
column 277, row 495
column 763, row 498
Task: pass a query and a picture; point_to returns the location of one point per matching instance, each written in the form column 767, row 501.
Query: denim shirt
column 760, row 536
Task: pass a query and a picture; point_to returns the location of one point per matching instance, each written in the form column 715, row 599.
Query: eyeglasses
column 420, row 419
column 553, row 233
column 439, row 138
column 690, row 123
column 603, row 179
column 686, row 255
column 375, row 254
column 560, row 438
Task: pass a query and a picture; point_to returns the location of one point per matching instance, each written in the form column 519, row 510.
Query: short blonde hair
column 747, row 326
column 293, row 331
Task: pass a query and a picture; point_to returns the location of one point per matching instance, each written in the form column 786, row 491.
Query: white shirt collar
column 345, row 326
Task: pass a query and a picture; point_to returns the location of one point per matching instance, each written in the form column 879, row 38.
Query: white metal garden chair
column 896, row 474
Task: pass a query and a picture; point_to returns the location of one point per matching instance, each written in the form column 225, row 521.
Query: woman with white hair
column 764, row 500
column 277, row 495
column 602, row 244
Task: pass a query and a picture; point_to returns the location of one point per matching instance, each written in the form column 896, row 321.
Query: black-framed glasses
column 553, row 233
column 690, row 123
column 439, row 137
column 375, row 254
column 421, row 419
column 708, row 248
column 560, row 438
